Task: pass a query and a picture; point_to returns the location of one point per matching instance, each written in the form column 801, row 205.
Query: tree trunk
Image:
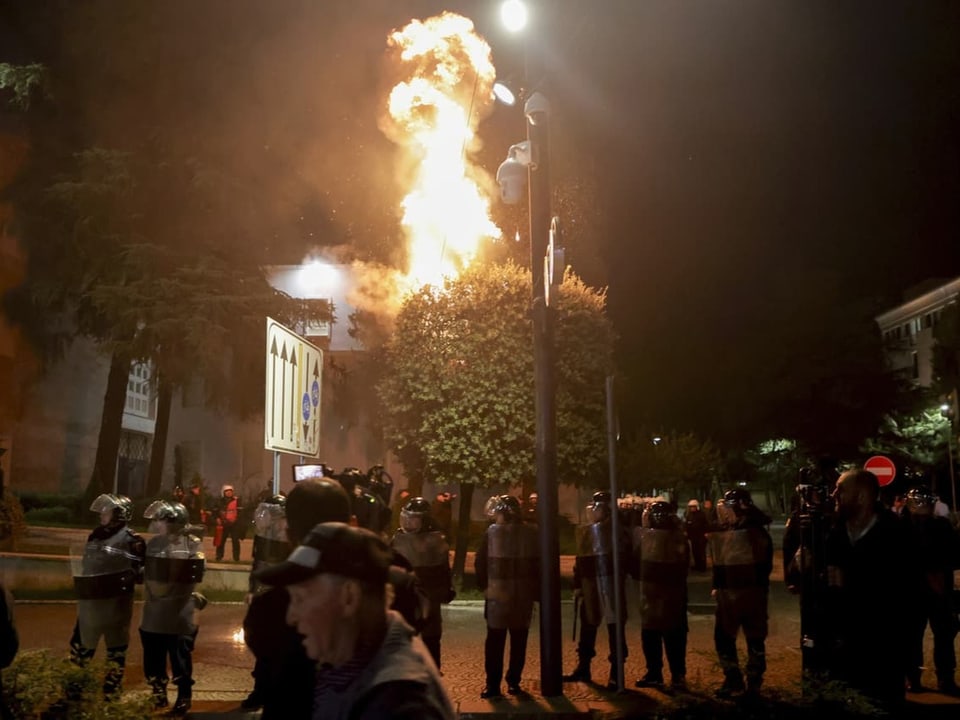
column 463, row 530
column 111, row 422
column 158, row 450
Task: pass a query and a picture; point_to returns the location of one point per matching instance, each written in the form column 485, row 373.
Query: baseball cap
column 336, row 548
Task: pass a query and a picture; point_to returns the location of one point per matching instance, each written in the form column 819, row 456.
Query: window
column 140, row 398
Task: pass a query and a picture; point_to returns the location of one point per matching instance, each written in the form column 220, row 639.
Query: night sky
column 756, row 165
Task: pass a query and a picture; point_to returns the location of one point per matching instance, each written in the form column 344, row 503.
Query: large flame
column 446, row 78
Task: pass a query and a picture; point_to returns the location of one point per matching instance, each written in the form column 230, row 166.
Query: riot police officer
column 507, row 570
column 270, row 546
column 593, row 579
column 105, row 572
column 174, row 565
column 660, row 545
column 936, row 556
column 427, row 550
column 742, row 553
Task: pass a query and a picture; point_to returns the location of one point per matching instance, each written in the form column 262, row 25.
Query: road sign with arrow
column 291, row 417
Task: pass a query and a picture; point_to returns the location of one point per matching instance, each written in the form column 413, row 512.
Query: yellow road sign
column 291, row 415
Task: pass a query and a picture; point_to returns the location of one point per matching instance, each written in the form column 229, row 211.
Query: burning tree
column 457, row 392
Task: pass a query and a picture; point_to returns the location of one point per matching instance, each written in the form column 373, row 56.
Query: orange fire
column 446, row 77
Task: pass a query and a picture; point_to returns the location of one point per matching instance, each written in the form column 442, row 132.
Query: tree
column 680, row 462
column 457, row 389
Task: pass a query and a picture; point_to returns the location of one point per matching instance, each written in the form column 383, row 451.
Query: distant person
column 507, row 570
column 742, row 553
column 443, row 513
column 193, row 502
column 168, row 628
column 709, row 512
column 661, row 549
column 375, row 667
column 226, row 519
column 110, row 566
column 868, row 557
column 530, row 509
column 427, row 549
column 695, row 526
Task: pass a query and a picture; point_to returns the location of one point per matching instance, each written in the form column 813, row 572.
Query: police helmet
column 600, row 502
column 120, row 506
column 508, row 505
column 920, row 499
column 172, row 512
column 733, row 506
column 658, row 515
column 413, row 514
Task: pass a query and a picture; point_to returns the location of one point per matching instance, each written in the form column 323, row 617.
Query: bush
column 58, row 515
column 39, row 685
column 34, row 501
column 13, row 524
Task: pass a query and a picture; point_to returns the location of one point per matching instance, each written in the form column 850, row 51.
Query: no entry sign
column 882, row 467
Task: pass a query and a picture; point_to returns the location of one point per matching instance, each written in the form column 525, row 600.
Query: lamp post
column 537, row 112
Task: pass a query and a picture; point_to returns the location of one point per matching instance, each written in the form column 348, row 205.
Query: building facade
column 907, row 329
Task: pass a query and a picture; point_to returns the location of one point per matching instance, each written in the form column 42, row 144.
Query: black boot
column 184, row 696
column 581, row 673
column 158, row 688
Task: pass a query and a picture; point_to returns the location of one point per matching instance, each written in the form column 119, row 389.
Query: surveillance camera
column 536, row 108
column 512, row 179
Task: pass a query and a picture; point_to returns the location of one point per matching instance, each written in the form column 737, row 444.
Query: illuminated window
column 140, row 398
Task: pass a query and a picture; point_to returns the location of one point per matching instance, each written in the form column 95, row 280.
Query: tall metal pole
column 615, row 526
column 551, row 647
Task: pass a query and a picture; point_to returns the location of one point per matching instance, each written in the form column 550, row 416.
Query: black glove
column 448, row 598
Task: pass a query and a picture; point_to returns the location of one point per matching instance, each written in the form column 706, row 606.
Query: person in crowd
column 709, row 512
column 507, row 571
column 226, row 519
column 374, row 665
column 695, row 526
column 593, row 580
column 427, row 550
column 443, row 513
column 937, row 555
column 742, row 556
column 530, row 509
column 193, row 502
column 104, row 579
column 270, row 546
column 663, row 555
column 173, row 567
column 868, row 557
column 9, row 645
column 287, row 687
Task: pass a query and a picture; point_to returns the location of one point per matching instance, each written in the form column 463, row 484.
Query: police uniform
column 593, row 576
column 104, row 575
column 428, row 553
column 174, row 566
column 661, row 549
column 507, row 570
column 742, row 554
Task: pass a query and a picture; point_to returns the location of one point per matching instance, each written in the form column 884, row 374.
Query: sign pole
column 276, row 472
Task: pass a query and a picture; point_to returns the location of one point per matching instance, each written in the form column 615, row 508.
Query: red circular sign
column 882, row 467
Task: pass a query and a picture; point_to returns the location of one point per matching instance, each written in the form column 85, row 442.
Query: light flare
column 444, row 88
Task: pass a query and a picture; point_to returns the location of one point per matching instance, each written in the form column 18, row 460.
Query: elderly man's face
column 316, row 611
column 846, row 496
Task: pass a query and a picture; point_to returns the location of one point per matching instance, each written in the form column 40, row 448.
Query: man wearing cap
column 372, row 664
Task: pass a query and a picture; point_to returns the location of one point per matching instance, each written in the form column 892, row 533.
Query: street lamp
column 534, row 154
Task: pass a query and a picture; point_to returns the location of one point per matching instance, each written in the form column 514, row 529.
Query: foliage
column 38, row 684
column 21, row 80
column 681, row 462
column 457, row 390
column 916, row 440
column 13, row 525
